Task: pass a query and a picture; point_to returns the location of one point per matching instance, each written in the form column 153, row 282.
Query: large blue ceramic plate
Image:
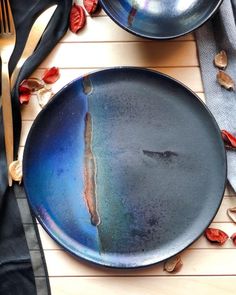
column 160, row 19
column 125, row 167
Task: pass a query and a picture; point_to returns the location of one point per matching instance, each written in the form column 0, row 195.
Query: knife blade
column 35, row 34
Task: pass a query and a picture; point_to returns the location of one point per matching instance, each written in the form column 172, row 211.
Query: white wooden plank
column 29, row 112
column 195, row 262
column 26, row 125
column 144, row 285
column 142, row 54
column 20, row 153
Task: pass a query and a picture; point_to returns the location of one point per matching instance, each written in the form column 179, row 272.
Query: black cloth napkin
column 216, row 35
column 22, row 266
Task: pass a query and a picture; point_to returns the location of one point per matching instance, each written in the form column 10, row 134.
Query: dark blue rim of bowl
column 159, row 37
column 83, row 257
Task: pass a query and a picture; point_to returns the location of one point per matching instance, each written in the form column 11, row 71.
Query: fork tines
column 5, row 16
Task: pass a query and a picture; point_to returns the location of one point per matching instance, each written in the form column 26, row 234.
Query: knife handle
column 15, row 73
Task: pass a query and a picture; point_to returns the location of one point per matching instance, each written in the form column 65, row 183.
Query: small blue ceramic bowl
column 158, row 19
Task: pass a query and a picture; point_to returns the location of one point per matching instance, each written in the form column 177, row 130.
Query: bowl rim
column 104, row 7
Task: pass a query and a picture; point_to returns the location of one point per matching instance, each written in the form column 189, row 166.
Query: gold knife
column 35, row 34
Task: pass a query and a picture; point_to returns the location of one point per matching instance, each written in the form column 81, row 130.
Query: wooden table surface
column 207, row 268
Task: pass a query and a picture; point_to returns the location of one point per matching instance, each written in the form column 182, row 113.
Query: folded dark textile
column 220, row 34
column 22, row 267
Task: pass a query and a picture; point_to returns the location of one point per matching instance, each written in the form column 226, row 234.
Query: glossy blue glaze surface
column 125, row 167
column 159, row 19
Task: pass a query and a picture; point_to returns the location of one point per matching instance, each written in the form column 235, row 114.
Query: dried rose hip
column 90, row 5
column 215, row 235
column 24, row 94
column 233, row 238
column 229, row 139
column 51, row 75
column 77, row 18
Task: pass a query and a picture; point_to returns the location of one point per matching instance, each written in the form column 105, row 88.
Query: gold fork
column 7, row 44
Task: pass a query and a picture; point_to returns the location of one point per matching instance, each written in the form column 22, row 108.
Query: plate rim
column 51, row 233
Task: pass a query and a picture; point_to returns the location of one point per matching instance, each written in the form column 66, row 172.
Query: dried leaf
column 173, row 264
column 51, row 75
column 24, row 94
column 229, row 140
column 90, row 6
column 231, row 213
column 225, row 80
column 77, row 18
column 44, row 96
column 216, row 235
column 233, row 238
column 221, row 60
column 15, row 170
column 34, row 84
column 232, row 209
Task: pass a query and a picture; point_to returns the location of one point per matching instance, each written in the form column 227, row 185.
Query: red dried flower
column 24, row 94
column 233, row 238
column 229, row 139
column 77, row 18
column 51, row 75
column 90, row 5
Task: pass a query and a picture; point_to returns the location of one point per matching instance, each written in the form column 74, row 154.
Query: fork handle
column 7, row 117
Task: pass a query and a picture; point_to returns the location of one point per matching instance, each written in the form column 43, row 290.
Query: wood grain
column 139, row 54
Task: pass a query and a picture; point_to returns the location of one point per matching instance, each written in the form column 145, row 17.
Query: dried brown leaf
column 232, row 209
column 231, row 212
column 221, row 60
column 44, row 96
column 225, row 80
column 34, row 84
column 173, row 264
